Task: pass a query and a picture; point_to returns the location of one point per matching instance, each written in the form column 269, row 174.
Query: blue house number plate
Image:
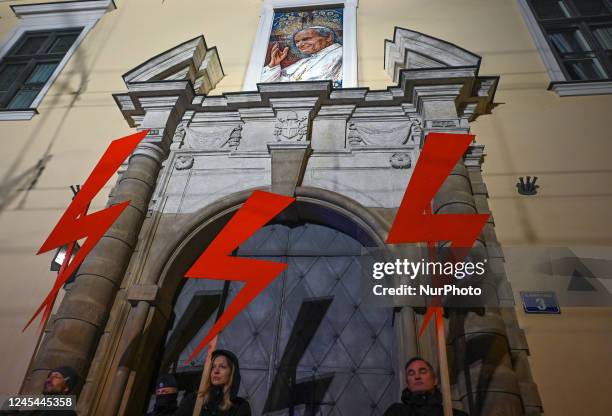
column 540, row 302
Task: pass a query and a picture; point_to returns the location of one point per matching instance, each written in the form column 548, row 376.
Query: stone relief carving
column 417, row 125
column 183, row 162
column 400, row 161
column 179, row 134
column 369, row 133
column 416, row 130
column 214, row 137
column 353, row 135
column 292, row 127
column 235, row 136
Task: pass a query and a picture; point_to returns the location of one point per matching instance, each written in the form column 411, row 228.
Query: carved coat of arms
column 291, row 127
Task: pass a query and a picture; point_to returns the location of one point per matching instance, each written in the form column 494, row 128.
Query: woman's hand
column 276, row 56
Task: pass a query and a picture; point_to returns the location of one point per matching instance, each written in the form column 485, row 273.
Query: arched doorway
column 308, row 344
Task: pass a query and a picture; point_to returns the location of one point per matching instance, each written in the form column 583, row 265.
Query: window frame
column 561, row 81
column 81, row 14
column 31, row 60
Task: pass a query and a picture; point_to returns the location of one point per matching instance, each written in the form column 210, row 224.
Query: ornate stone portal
column 346, row 155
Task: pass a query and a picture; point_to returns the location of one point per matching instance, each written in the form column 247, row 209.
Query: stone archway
column 308, row 343
column 185, row 241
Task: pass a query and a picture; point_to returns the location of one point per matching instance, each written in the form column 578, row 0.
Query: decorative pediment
column 414, row 50
column 191, row 60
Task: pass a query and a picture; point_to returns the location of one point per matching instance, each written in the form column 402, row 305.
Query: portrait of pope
column 320, row 57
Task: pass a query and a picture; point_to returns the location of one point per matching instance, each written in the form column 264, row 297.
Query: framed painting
column 305, row 41
column 305, row 45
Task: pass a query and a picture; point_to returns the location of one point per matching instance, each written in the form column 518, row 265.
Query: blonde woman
column 220, row 391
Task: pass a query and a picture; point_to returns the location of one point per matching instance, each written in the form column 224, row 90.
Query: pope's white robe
column 325, row 64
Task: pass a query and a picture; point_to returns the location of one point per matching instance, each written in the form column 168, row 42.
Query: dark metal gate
column 307, row 345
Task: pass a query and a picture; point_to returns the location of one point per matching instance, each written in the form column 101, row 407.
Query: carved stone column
column 517, row 342
column 162, row 110
column 84, row 310
column 485, row 380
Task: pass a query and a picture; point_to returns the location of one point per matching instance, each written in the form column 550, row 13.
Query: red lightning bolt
column 415, row 222
column 217, row 263
column 74, row 225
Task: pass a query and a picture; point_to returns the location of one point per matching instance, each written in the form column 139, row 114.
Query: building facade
column 344, row 148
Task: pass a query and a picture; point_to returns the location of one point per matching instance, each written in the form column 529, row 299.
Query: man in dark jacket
column 166, row 393
column 421, row 397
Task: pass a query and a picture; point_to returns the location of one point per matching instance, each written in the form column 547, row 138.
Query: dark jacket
column 427, row 404
column 239, row 407
column 165, row 405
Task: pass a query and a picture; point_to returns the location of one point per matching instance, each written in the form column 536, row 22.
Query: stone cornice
column 412, row 56
column 410, row 49
column 191, row 60
column 471, row 94
column 460, row 84
column 41, row 9
column 155, row 94
column 454, row 78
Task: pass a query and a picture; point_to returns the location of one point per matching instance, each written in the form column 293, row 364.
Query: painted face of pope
column 320, row 58
column 310, row 41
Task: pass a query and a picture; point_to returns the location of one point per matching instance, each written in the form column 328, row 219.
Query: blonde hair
column 205, row 392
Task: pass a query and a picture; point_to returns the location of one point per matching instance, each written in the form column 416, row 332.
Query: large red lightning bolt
column 217, row 263
column 49, row 305
column 415, row 222
column 74, row 225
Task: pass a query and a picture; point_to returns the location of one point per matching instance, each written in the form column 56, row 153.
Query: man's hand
column 276, row 56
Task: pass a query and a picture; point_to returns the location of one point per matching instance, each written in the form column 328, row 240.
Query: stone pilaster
column 82, row 326
column 82, row 315
column 292, row 146
column 517, row 342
